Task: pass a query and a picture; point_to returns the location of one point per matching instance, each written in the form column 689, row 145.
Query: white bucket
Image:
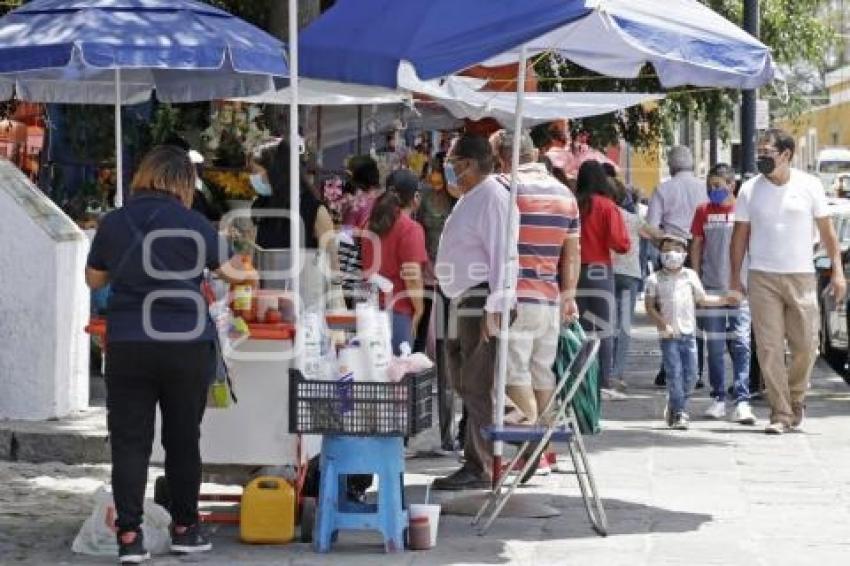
column 432, row 512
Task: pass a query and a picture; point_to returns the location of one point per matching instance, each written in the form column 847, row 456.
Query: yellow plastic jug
column 267, row 514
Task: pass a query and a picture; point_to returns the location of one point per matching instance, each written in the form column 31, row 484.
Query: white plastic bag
column 97, row 535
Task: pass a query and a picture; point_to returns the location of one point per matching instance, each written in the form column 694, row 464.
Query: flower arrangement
column 233, row 184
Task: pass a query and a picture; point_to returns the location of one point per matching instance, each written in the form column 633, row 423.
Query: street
column 717, row 494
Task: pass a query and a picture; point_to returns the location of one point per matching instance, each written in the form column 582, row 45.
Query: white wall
column 44, row 305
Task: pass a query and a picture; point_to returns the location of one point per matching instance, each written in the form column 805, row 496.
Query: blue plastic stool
column 347, row 455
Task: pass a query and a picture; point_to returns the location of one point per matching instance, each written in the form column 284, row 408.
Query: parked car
column 841, row 185
column 831, row 162
column 834, row 331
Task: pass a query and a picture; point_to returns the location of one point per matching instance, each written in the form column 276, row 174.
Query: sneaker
column 716, row 411
column 552, row 460
column 621, row 385
column 190, row 541
column 543, row 466
column 464, row 478
column 744, row 414
column 669, row 417
column 682, row 422
column 799, row 416
column 776, row 428
column 131, row 549
column 609, row 394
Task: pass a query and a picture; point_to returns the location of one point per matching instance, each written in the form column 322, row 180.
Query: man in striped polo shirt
column 549, row 263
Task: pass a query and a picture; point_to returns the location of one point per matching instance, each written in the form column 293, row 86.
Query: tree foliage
column 798, row 37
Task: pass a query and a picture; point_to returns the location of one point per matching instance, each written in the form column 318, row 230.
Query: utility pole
column 748, row 98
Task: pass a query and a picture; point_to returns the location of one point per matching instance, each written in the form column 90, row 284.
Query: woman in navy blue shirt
column 160, row 339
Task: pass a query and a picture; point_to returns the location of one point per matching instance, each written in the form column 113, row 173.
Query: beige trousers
column 785, row 306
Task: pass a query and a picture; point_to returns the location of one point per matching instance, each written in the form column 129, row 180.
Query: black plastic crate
column 361, row 408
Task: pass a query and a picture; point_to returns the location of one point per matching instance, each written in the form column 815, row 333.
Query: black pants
column 138, row 376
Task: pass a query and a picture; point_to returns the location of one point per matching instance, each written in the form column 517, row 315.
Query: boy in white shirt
column 672, row 296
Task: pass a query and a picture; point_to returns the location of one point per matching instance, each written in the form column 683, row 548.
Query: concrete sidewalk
column 717, row 494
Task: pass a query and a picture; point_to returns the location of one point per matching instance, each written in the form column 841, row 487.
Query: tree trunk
column 713, row 147
column 308, row 10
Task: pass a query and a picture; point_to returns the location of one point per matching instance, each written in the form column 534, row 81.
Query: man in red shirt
column 400, row 255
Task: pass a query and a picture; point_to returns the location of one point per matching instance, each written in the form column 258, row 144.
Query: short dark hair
column 476, row 148
column 364, row 171
column 723, row 170
column 609, row 168
column 779, row 138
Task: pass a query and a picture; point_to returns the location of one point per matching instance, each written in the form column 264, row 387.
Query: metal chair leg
column 504, row 497
column 495, row 493
column 587, row 485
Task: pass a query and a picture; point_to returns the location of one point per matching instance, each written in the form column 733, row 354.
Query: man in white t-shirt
column 775, row 220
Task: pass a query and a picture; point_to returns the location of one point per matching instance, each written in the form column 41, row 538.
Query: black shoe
column 700, row 384
column 190, row 541
column 464, row 478
column 133, row 552
column 661, row 379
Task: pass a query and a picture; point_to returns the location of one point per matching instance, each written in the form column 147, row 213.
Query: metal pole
column 119, row 134
column 359, row 130
column 294, row 157
column 748, row 98
column 509, row 271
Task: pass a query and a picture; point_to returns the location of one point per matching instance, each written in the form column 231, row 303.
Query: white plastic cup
column 430, row 511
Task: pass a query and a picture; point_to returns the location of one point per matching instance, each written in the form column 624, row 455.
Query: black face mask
column 766, row 164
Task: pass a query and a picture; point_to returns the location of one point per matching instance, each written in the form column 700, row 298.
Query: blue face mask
column 260, row 186
column 451, row 176
column 718, row 195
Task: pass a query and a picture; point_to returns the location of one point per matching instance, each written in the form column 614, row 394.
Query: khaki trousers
column 785, row 306
column 472, row 370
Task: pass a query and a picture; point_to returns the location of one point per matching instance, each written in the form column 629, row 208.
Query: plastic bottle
column 244, row 291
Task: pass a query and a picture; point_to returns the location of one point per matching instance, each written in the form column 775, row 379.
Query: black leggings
column 138, row 376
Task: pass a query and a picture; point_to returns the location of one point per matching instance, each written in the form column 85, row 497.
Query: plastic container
column 432, row 513
column 418, row 533
column 267, row 514
column 361, row 409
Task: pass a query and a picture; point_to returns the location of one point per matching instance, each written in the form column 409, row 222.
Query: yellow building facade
column 823, row 126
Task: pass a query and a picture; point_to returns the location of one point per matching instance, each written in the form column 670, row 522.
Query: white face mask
column 673, row 260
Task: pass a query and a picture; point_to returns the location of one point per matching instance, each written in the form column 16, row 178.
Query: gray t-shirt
column 677, row 295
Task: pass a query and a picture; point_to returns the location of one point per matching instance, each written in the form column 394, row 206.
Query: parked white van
column 831, row 162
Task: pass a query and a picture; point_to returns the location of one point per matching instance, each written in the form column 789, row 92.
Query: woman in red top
column 602, row 232
column 401, row 253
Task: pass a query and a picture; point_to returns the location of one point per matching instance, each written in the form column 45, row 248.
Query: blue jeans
column 402, row 331
column 679, row 356
column 728, row 328
column 625, row 290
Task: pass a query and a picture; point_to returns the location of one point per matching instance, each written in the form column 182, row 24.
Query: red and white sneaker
column 552, row 460
column 544, row 468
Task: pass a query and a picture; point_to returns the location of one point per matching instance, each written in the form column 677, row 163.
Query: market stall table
column 254, row 430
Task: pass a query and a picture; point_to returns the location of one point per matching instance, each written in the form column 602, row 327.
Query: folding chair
column 556, row 423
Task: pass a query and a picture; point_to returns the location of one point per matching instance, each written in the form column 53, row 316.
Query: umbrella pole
column 294, row 157
column 119, row 157
column 510, row 269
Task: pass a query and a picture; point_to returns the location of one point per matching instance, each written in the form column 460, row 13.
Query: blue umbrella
column 369, row 41
column 365, row 41
column 121, row 51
